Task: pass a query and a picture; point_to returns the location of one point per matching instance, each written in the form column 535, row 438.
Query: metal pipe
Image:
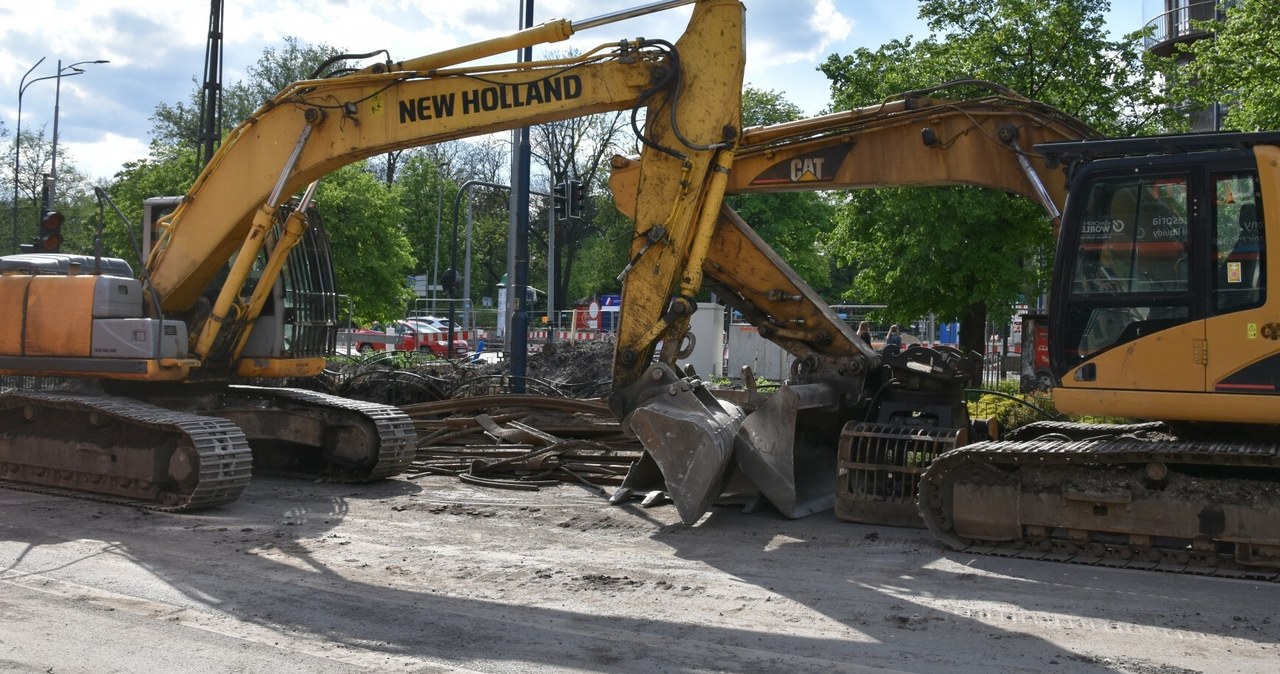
column 632, row 13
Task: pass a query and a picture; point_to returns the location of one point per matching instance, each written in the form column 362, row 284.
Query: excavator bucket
column 689, row 434
column 787, row 448
column 694, row 443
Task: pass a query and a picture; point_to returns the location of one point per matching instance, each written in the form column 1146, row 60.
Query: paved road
column 436, row 576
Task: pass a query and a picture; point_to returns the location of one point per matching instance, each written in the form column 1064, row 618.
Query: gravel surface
column 432, row 575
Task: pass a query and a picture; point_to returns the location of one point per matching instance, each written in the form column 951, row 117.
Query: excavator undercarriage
column 1131, row 496
column 185, row 450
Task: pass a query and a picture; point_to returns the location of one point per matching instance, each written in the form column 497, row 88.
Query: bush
column 1013, row 409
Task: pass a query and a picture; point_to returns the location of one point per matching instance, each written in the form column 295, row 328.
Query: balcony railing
column 1176, row 26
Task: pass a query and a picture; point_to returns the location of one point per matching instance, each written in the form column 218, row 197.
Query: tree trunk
column 973, row 328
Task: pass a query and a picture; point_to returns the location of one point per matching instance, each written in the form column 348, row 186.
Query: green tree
column 789, row 222
column 169, row 171
column 427, row 191
column 935, row 255
column 577, row 148
column 371, row 254
column 73, row 197
column 981, row 246
column 1239, row 67
column 179, row 123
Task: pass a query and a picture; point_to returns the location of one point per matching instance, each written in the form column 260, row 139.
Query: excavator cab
column 1160, row 279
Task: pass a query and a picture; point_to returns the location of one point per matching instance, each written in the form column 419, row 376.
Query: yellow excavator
column 1159, row 311
column 238, row 284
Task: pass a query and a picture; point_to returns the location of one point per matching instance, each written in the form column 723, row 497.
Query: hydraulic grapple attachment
column 694, row 442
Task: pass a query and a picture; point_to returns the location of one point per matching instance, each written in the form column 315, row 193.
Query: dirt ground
column 433, row 575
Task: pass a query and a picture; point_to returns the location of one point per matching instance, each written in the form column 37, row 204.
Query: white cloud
column 103, row 158
column 827, row 20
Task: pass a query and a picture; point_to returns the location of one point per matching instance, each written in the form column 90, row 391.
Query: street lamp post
column 435, row 265
column 17, row 138
column 53, row 162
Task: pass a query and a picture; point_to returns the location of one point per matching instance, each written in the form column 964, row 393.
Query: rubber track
column 1121, row 450
column 226, row 462
column 396, row 435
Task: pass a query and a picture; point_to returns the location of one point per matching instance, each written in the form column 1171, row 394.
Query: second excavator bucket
column 695, row 442
column 788, row 450
column 690, row 435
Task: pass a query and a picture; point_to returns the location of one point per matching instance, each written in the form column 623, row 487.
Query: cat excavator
column 238, row 284
column 1159, row 312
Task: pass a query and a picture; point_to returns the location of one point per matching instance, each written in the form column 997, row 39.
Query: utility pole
column 519, row 338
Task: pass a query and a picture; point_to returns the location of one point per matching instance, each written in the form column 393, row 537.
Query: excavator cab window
column 1239, row 250
column 1131, row 262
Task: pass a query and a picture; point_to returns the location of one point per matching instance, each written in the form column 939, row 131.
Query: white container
column 117, row 297
column 137, row 338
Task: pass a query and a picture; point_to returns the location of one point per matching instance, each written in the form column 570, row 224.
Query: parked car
column 438, row 322
column 366, row 340
column 419, row 336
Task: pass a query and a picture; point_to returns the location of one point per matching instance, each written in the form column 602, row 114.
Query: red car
column 365, row 340
column 418, row 336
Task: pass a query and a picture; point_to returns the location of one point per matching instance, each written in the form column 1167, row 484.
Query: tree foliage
column 577, row 148
column 972, row 249
column 73, row 196
column 792, row 223
column 1239, row 67
column 371, row 254
column 169, row 171
column 935, row 255
column 179, row 123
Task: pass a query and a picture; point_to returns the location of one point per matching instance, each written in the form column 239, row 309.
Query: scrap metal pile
column 521, row 441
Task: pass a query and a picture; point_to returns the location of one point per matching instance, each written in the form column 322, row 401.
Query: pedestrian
column 893, row 338
column 864, row 331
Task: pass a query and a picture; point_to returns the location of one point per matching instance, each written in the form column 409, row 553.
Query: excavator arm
column 786, row 447
column 313, row 127
column 914, row 139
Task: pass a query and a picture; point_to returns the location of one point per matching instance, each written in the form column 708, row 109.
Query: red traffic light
column 50, row 239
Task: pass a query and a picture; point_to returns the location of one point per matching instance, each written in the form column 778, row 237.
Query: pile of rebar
column 521, row 441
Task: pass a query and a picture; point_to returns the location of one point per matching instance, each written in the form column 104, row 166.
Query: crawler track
column 301, row 433
column 120, row 450
column 185, row 449
column 1145, row 500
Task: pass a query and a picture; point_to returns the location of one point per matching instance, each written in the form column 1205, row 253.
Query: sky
column 156, row 48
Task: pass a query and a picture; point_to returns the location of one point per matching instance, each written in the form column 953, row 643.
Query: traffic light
column 560, row 200
column 449, row 280
column 577, row 198
column 50, row 238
